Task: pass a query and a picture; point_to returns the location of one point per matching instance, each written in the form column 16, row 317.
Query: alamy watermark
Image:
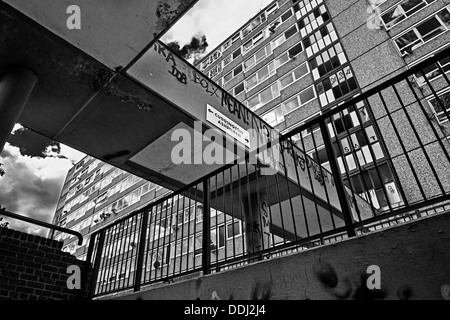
column 74, row 20
column 74, row 280
column 214, row 147
column 374, row 20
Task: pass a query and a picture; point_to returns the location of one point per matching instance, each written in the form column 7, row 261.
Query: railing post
column 206, row 229
column 342, row 195
column 98, row 258
column 141, row 251
column 87, row 269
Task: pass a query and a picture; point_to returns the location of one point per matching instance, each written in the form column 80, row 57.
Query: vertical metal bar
column 155, row 241
column 405, row 152
column 385, row 149
column 106, row 262
column 286, row 178
column 128, row 253
column 122, row 250
column 88, row 267
column 338, row 181
column 422, row 147
column 141, row 248
column 134, row 228
column 241, row 202
column 322, row 175
column 232, row 210
column 294, row 154
column 311, row 181
column 163, row 250
column 436, row 134
column 224, row 213
column 182, row 235
column 189, row 237
column 98, row 258
column 206, row 239
column 270, row 210
column 258, row 199
column 363, row 126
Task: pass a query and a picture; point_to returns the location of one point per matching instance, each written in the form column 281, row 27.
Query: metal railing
column 42, row 224
column 379, row 159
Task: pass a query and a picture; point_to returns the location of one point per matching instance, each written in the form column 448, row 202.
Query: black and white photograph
column 224, row 154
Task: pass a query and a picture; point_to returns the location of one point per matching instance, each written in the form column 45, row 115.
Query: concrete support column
column 257, row 223
column 15, row 89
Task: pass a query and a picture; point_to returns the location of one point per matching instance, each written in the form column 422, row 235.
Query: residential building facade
column 296, row 59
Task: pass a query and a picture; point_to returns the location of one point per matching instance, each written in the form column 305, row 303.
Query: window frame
column 394, row 8
column 419, row 41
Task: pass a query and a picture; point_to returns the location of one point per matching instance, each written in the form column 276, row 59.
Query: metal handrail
column 43, row 224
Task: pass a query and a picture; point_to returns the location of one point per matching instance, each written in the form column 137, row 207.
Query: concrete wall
column 33, row 268
column 414, row 261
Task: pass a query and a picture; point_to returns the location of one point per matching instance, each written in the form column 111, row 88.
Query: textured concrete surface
column 413, row 259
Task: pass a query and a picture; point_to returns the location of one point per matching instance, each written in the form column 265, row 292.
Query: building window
column 286, row 15
column 79, row 165
column 184, row 246
column 233, row 230
column 254, row 41
column 423, row 32
column 357, row 145
column 235, row 38
column 376, row 186
column 295, row 50
column 441, row 108
column 305, row 6
column 272, row 9
column 228, row 77
column 297, row 74
column 101, row 199
column 211, row 59
column 258, row 56
column 281, row 59
column 327, row 61
column 261, row 75
column 277, row 115
column 286, row 35
column 319, row 40
column 215, row 70
column 160, row 258
column 402, row 10
column 263, row 97
column 432, row 72
column 226, row 45
column 218, row 236
column 252, row 25
column 314, row 20
column 348, row 119
column 238, row 89
column 231, row 57
column 336, row 86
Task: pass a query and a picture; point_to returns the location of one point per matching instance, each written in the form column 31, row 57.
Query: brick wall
column 33, row 268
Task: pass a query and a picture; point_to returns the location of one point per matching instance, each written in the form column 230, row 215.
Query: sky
column 36, row 171
column 32, row 184
column 217, row 19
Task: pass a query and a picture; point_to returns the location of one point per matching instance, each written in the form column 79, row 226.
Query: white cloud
column 217, row 19
column 31, row 186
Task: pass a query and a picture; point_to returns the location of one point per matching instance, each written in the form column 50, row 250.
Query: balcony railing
column 376, row 160
column 50, row 226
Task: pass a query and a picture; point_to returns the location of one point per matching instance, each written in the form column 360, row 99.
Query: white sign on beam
column 227, row 125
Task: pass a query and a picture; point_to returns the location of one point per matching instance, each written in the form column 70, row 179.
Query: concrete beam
column 15, row 89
